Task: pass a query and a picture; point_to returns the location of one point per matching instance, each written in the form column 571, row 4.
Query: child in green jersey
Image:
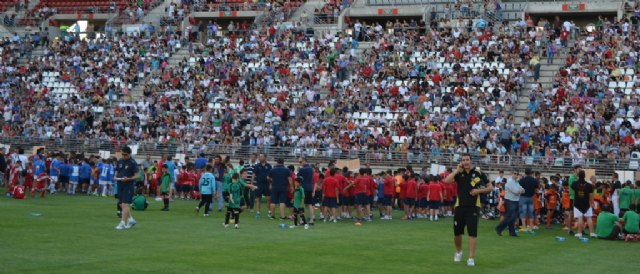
column 298, row 207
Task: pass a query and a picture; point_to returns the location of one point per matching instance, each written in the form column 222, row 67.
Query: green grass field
column 76, row 234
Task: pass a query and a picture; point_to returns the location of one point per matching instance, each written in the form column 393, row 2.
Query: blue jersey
column 64, row 169
column 201, row 163
column 112, row 173
column 171, row 167
column 38, row 167
column 55, row 166
column 105, row 173
column 85, row 171
column 74, row 171
column 207, row 183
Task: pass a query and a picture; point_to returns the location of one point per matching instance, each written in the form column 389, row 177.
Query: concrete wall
column 97, row 16
column 416, row 10
column 239, row 14
column 590, row 7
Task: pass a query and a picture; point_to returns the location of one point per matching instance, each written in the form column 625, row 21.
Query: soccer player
column 470, row 183
column 165, row 186
column 104, row 178
column 330, row 197
column 140, row 202
column 298, row 207
column 207, row 186
column 74, row 177
column 126, row 175
column 306, row 173
column 625, row 198
column 360, row 185
column 280, row 180
column 54, row 172
column 236, row 188
column 261, row 174
column 389, row 190
column 423, row 192
column 434, row 199
column 63, row 177
column 411, row 192
column 85, row 176
column 41, row 185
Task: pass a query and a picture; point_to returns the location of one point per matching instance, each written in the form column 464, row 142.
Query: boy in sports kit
column 41, row 184
column 236, row 190
column 207, row 187
column 74, row 177
column 330, row 191
column 165, row 187
column 29, row 178
column 298, row 207
column 54, row 173
column 63, row 177
column 105, row 177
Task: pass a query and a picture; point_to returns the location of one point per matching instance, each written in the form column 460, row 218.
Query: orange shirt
column 399, row 181
column 566, row 202
column 552, row 198
column 537, row 203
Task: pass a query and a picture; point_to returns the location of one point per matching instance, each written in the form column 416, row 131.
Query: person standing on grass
column 126, row 175
column 530, row 186
column 471, row 183
column 207, row 187
column 513, row 190
column 582, row 202
column 261, row 172
column 306, row 173
column 298, row 206
column 280, row 182
column 165, row 187
column 389, row 189
column 435, row 197
column 236, row 188
column 330, row 198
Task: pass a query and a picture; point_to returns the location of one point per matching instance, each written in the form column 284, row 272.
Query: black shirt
column 261, row 171
column 529, row 184
column 465, row 183
column 581, row 198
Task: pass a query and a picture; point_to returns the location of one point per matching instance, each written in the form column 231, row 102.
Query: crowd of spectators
column 413, row 92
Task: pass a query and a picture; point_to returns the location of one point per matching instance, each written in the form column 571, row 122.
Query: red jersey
column 389, row 186
column 42, row 180
column 423, row 190
column 329, row 186
column 342, row 184
column 18, row 192
column 371, row 190
column 361, row 184
column 28, row 180
column 411, row 189
column 403, row 190
column 435, row 191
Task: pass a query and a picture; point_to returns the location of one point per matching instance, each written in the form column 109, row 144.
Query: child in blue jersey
column 63, row 176
column 84, row 178
column 74, row 177
column 54, row 173
column 103, row 178
column 207, row 186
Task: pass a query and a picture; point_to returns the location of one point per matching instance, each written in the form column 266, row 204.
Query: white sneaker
column 225, row 225
column 236, row 226
column 306, row 226
column 292, row 226
column 593, row 235
column 471, row 262
column 578, row 235
column 457, row 257
column 120, row 226
column 132, row 222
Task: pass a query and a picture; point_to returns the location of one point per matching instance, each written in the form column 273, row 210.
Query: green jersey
column 605, row 223
column 626, row 195
column 298, row 197
column 236, row 190
column 166, row 181
column 139, row 203
column 572, row 179
column 636, row 196
column 226, row 181
column 631, row 222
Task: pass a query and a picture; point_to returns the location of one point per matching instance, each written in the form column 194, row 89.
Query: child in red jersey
column 423, row 191
column 28, row 178
column 330, row 198
column 434, row 198
column 41, row 182
column 411, row 192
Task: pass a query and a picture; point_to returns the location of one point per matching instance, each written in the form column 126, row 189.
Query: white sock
column 104, row 189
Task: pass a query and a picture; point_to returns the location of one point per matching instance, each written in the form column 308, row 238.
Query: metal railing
column 376, row 158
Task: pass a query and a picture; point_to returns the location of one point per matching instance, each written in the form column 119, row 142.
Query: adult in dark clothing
column 306, row 173
column 530, row 185
column 280, row 181
column 3, row 166
column 582, row 201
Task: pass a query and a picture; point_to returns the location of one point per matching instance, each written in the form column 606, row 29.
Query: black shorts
column 318, row 198
column 330, row 202
column 388, row 200
column 370, row 199
column 279, row 196
column 409, row 201
column 308, row 198
column 207, row 198
column 434, row 204
column 164, row 193
column 263, row 190
column 63, row 179
column 185, row 188
column 298, row 210
column 466, row 217
column 361, row 199
column 84, row 181
column 125, row 193
column 350, row 200
column 288, row 203
column 422, row 203
column 234, row 210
